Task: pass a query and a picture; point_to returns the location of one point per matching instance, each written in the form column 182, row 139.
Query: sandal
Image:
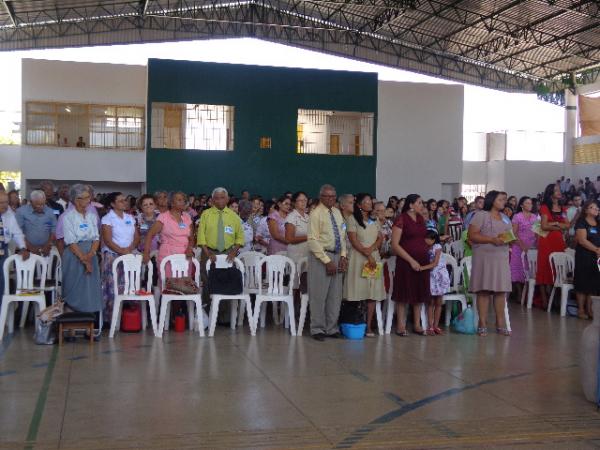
column 482, row 331
column 438, row 330
column 430, row 331
column 583, row 316
column 370, row 334
column 402, row 333
column 422, row 332
column 503, row 331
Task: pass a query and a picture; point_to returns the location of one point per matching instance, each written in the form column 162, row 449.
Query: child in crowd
column 439, row 281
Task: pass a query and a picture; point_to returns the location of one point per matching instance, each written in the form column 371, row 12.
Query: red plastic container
column 131, row 318
column 179, row 323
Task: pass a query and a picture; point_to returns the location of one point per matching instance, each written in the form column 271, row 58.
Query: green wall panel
column 266, row 101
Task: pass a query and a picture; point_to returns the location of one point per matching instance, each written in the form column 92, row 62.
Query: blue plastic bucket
column 352, row 331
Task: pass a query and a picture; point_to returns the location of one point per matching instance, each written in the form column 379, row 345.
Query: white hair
column 78, row 189
column 344, row 198
column 326, row 187
column 219, row 190
column 37, row 195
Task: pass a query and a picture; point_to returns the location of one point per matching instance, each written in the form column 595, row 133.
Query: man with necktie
column 220, row 233
column 326, row 264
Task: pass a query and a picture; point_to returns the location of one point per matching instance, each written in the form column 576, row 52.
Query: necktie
column 220, row 233
column 2, row 239
column 336, row 232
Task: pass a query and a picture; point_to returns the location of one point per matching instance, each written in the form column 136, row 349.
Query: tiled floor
column 277, row 391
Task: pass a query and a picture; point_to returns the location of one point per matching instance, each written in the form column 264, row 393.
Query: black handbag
column 226, row 281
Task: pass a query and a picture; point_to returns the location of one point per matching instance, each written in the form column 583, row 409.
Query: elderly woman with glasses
column 81, row 275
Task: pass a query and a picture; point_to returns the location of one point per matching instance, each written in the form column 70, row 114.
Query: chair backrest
column 132, row 272
column 277, row 267
column 53, row 264
column 455, row 278
column 222, row 262
column 570, row 252
column 25, row 272
column 180, row 267
column 529, row 259
column 457, row 249
column 252, row 278
column 562, row 264
column 197, row 253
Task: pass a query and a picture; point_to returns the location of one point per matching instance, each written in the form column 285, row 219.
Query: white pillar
column 570, row 132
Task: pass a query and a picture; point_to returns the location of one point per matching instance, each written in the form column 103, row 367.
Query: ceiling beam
column 11, row 11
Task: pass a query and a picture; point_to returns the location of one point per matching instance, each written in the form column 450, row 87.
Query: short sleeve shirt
column 123, row 228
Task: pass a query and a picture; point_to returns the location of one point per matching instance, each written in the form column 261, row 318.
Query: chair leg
column 302, row 318
column 551, row 299
column 190, row 305
column 233, row 313
column 116, row 316
column 259, row 310
column 291, row 315
column 250, row 315
column 163, row 314
column 144, row 315
column 530, row 292
column 240, row 321
column 12, row 306
column 564, row 297
column 24, row 313
column 214, row 312
column 424, row 320
column 390, row 316
column 379, row 315
column 152, row 307
column 200, row 317
column 3, row 317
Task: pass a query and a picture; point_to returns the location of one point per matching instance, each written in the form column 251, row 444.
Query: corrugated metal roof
column 507, row 44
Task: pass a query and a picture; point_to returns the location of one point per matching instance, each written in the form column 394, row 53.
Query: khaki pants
column 325, row 295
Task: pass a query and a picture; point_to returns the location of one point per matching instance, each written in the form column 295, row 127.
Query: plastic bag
column 465, row 322
column 44, row 333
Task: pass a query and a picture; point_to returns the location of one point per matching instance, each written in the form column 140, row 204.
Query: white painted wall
column 109, row 84
column 10, row 158
column 419, row 138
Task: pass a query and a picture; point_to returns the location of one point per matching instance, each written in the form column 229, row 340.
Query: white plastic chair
column 132, row 273
column 180, row 267
column 453, row 294
column 301, row 268
column 390, row 305
column 25, row 274
column 277, row 267
column 253, row 280
column 53, row 273
column 561, row 264
column 530, row 267
column 466, row 265
column 457, row 250
column 215, row 299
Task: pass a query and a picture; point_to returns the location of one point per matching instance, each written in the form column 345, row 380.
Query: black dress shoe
column 319, row 337
column 337, row 335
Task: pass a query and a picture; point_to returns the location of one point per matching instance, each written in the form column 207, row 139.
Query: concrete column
column 570, row 132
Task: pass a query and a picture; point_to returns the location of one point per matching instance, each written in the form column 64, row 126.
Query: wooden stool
column 71, row 321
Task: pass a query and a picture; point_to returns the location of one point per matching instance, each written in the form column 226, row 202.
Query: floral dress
column 439, row 277
column 526, row 235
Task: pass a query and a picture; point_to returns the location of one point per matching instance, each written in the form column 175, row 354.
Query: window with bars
column 335, row 132
column 85, row 125
column 470, row 191
column 192, row 126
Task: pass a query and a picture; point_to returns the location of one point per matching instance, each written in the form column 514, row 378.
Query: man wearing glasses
column 326, row 265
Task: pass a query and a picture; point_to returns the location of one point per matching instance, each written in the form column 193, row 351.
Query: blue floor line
column 363, row 432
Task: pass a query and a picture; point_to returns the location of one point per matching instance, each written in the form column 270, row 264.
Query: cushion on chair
column 76, row 317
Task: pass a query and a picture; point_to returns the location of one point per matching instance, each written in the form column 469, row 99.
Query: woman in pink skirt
column 522, row 223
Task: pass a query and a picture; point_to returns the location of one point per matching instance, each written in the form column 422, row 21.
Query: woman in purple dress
column 526, row 239
column 411, row 280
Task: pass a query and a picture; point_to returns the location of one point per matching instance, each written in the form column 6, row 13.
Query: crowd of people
column 347, row 239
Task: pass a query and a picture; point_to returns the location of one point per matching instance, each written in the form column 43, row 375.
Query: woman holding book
column 364, row 280
column 490, row 232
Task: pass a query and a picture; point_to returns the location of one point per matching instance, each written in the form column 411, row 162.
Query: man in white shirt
column 63, row 196
column 9, row 231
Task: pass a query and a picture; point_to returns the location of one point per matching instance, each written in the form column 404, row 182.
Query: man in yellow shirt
column 326, row 264
column 220, row 231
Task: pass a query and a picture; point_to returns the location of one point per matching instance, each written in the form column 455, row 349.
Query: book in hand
column 537, row 229
column 508, row 236
column 374, row 272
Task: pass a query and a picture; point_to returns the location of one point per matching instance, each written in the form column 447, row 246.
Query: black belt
column 333, row 252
